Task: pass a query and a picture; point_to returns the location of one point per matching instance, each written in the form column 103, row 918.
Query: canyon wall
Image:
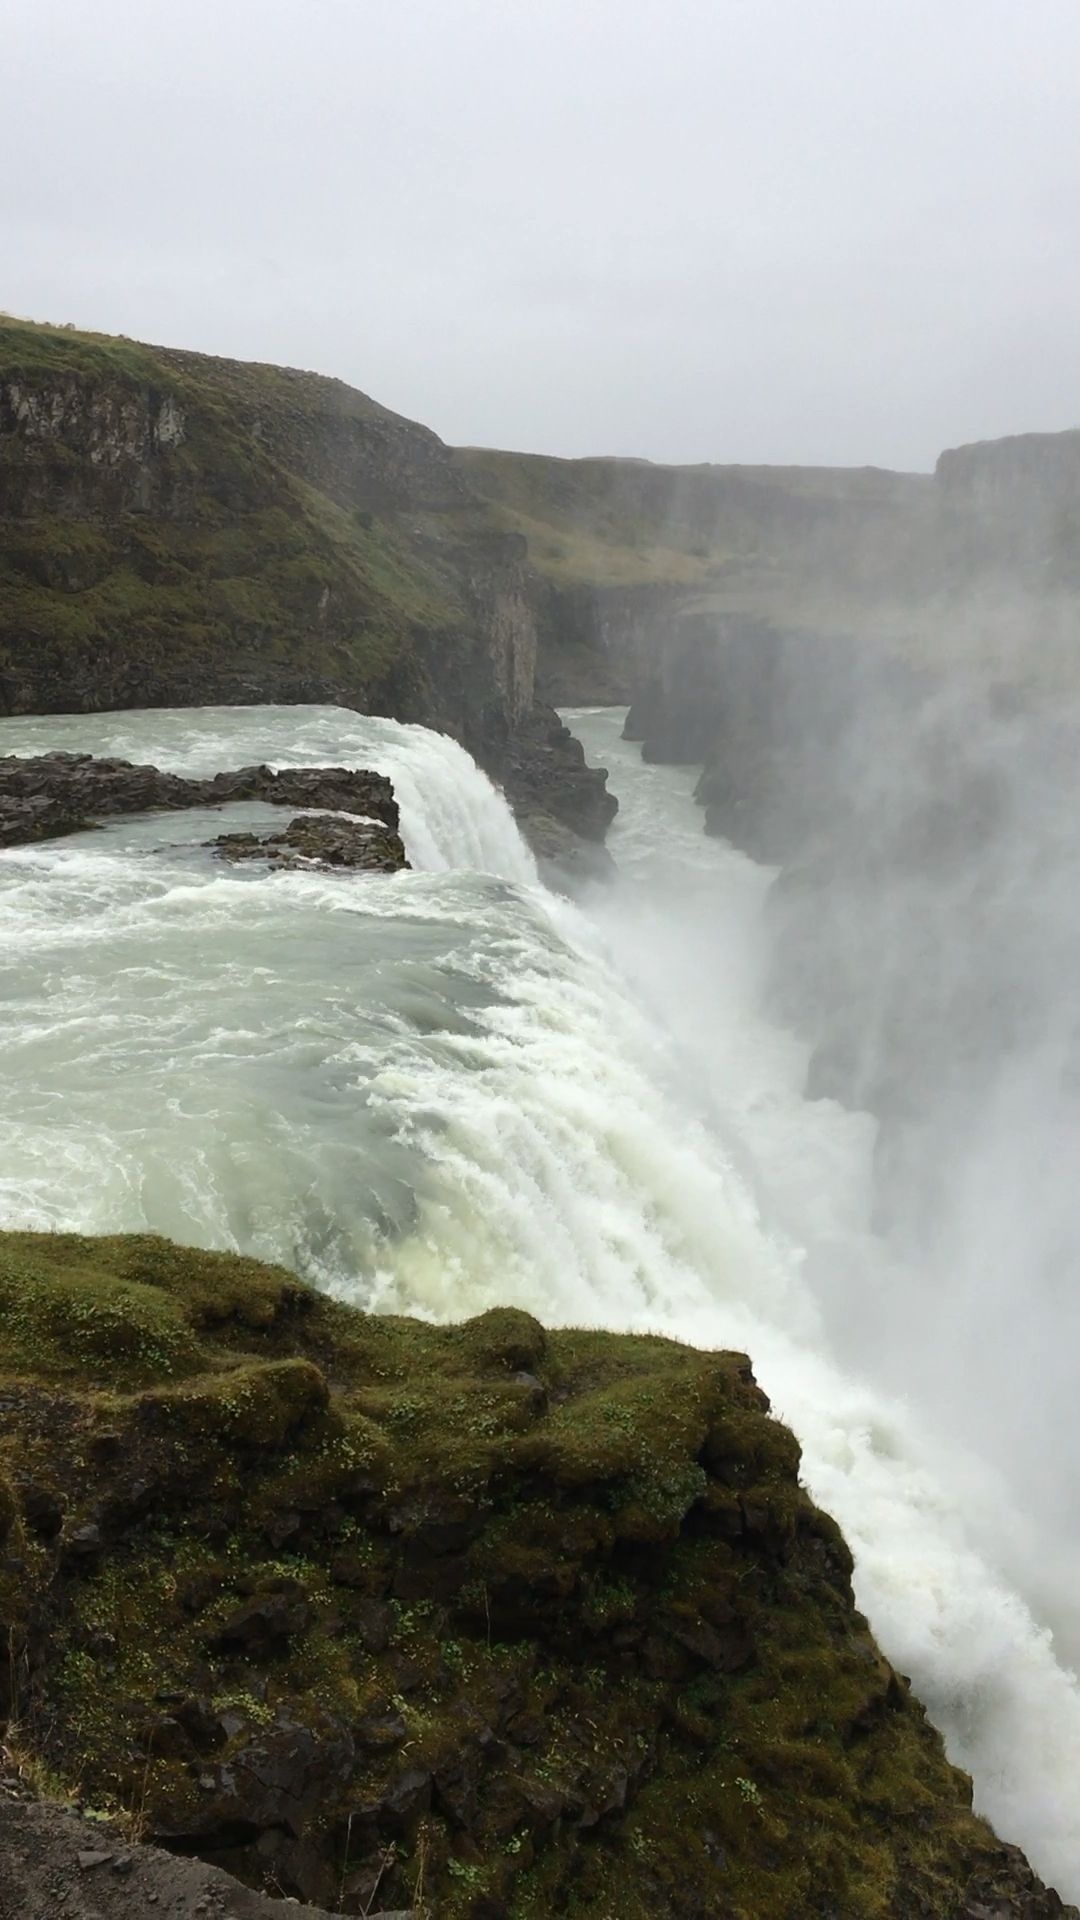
column 181, row 530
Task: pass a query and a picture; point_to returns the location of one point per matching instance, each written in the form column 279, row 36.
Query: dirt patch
column 55, row 1865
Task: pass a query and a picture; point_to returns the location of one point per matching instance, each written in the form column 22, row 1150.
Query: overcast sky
column 777, row 230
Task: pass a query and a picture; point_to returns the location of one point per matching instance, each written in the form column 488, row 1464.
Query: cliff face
column 976, row 565
column 623, row 553
column 480, row 1621
column 1015, row 504
column 179, row 530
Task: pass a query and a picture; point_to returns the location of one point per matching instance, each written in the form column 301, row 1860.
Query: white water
column 446, row 1089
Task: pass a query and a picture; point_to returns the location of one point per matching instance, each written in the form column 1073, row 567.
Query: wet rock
column 319, row 840
column 544, row 1803
column 547, row 779
column 56, row 793
column 405, row 1800
column 30, row 817
column 567, row 861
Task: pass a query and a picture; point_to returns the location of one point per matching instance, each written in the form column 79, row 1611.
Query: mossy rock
column 534, row 1622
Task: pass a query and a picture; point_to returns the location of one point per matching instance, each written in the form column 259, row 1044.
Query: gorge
column 670, row 1107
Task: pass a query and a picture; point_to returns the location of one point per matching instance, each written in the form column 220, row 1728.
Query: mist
column 914, row 830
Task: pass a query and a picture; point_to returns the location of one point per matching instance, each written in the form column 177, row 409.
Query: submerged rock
column 514, row 1619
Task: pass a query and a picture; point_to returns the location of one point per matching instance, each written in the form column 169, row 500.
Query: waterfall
column 446, row 1089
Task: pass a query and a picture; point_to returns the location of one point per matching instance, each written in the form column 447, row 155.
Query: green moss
column 65, row 1313
column 591, row 1611
column 33, row 349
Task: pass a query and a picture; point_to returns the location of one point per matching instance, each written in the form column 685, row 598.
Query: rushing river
column 445, row 1089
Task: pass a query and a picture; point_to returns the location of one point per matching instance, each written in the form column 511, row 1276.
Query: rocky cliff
column 621, row 553
column 179, row 530
column 977, row 564
column 1015, row 504
column 474, row 1621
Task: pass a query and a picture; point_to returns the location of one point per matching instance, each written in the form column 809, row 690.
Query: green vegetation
column 597, row 523
column 175, row 523
column 483, row 1615
column 817, row 548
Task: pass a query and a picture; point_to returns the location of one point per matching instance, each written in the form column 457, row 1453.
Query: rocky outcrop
column 478, row 1620
column 56, row 793
column 331, row 841
column 1013, row 506
column 546, row 775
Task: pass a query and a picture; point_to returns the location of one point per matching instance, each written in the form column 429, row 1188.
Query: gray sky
column 777, row 230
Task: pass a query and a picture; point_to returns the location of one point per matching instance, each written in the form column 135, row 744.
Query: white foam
column 449, row 1089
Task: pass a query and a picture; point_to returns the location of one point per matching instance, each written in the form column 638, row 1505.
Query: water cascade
column 449, row 1088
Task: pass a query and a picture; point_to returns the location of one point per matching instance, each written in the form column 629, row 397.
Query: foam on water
column 452, row 816
column 446, row 1089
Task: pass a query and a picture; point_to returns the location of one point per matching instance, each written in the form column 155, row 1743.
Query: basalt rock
column 320, row 840
column 546, row 773
column 551, row 1624
column 56, row 793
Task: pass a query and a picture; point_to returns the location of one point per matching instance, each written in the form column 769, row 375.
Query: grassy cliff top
column 36, row 350
column 483, row 1619
column 618, row 522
